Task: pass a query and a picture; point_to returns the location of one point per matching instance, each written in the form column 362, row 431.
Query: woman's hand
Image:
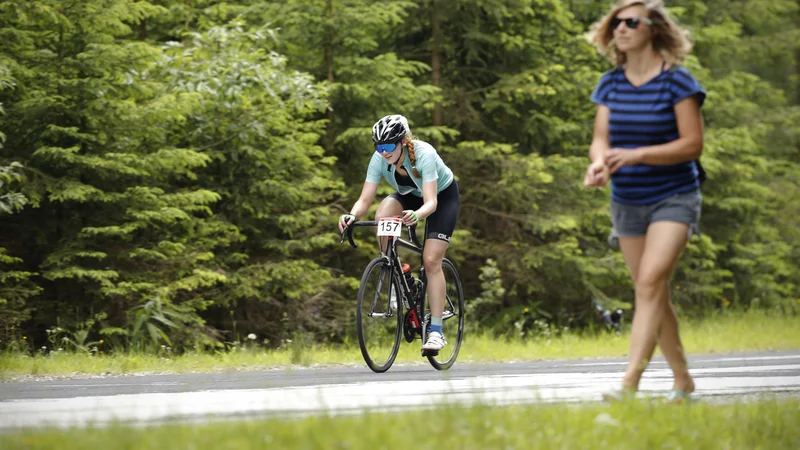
column 345, row 220
column 596, row 174
column 618, row 157
column 410, row 217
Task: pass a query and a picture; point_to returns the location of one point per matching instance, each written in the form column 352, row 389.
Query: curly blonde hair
column 670, row 40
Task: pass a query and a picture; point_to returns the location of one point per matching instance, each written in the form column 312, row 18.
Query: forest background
column 172, row 171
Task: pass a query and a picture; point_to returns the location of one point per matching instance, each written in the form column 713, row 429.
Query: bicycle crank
column 409, row 330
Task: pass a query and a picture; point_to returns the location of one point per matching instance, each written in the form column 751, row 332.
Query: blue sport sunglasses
column 385, row 148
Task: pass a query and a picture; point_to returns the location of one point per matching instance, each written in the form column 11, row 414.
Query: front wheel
column 453, row 318
column 378, row 319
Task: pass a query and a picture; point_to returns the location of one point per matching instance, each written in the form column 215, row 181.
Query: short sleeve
column 426, row 163
column 603, row 88
column 374, row 169
column 684, row 84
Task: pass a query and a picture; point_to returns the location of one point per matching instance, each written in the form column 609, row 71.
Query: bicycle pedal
column 430, row 352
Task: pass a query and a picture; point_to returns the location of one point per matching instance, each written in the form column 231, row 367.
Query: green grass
column 721, row 334
column 767, row 424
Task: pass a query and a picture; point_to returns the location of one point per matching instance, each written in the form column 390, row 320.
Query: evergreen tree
column 113, row 223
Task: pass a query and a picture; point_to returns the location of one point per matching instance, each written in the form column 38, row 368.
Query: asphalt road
column 147, row 399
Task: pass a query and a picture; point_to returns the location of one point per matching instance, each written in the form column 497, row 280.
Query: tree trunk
column 187, row 5
column 797, row 61
column 143, row 30
column 436, row 61
column 331, row 134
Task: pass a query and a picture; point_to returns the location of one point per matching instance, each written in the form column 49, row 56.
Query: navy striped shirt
column 645, row 116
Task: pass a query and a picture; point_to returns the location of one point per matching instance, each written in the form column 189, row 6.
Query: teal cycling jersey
column 428, row 164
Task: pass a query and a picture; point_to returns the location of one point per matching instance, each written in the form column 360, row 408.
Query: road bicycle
column 392, row 301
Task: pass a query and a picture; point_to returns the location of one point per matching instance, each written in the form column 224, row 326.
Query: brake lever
column 350, row 237
column 348, row 232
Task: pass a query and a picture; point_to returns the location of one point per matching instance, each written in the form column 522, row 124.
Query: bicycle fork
column 401, row 289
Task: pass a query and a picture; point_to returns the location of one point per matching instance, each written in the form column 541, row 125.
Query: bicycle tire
column 447, row 265
column 379, row 263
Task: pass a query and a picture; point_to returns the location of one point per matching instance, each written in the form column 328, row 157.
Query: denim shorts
column 633, row 220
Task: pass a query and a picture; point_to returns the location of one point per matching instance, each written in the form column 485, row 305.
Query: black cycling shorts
column 441, row 224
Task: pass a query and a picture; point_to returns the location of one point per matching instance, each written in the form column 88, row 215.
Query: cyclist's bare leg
column 432, row 256
column 389, row 207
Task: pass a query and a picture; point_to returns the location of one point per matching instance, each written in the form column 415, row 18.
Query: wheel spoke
column 376, row 296
column 450, row 304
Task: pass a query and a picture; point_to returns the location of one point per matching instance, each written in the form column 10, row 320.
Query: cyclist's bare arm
column 361, row 206
column 429, row 200
column 365, row 199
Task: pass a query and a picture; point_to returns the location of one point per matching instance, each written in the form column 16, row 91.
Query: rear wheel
column 452, row 319
column 379, row 323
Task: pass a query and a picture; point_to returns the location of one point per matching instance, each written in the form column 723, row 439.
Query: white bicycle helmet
column 390, row 129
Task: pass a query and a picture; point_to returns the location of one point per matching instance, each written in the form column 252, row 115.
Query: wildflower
column 726, row 303
column 526, row 310
column 606, row 419
column 251, row 336
column 101, row 341
column 24, row 337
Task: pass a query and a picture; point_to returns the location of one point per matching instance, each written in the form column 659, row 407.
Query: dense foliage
column 171, row 171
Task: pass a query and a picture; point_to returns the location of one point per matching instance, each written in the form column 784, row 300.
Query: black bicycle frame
column 394, row 263
column 391, row 253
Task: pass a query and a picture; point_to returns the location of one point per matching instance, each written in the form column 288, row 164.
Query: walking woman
column 648, row 135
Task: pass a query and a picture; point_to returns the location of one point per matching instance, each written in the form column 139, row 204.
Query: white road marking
column 693, row 362
column 156, row 383
column 333, row 398
column 753, row 358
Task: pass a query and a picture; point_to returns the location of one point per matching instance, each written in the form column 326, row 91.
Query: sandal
column 678, row 397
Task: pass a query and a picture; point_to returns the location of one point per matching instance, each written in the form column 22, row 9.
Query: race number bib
column 390, row 226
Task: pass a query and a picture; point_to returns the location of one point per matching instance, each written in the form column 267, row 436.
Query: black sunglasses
column 630, row 22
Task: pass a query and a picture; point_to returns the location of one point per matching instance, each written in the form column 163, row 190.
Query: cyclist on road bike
column 425, row 189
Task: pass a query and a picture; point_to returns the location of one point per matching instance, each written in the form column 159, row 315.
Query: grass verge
column 757, row 331
column 639, row 424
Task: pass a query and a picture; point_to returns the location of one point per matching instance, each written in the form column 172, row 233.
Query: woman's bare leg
column 663, row 246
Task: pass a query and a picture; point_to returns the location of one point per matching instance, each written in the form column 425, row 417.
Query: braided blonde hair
column 408, row 142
